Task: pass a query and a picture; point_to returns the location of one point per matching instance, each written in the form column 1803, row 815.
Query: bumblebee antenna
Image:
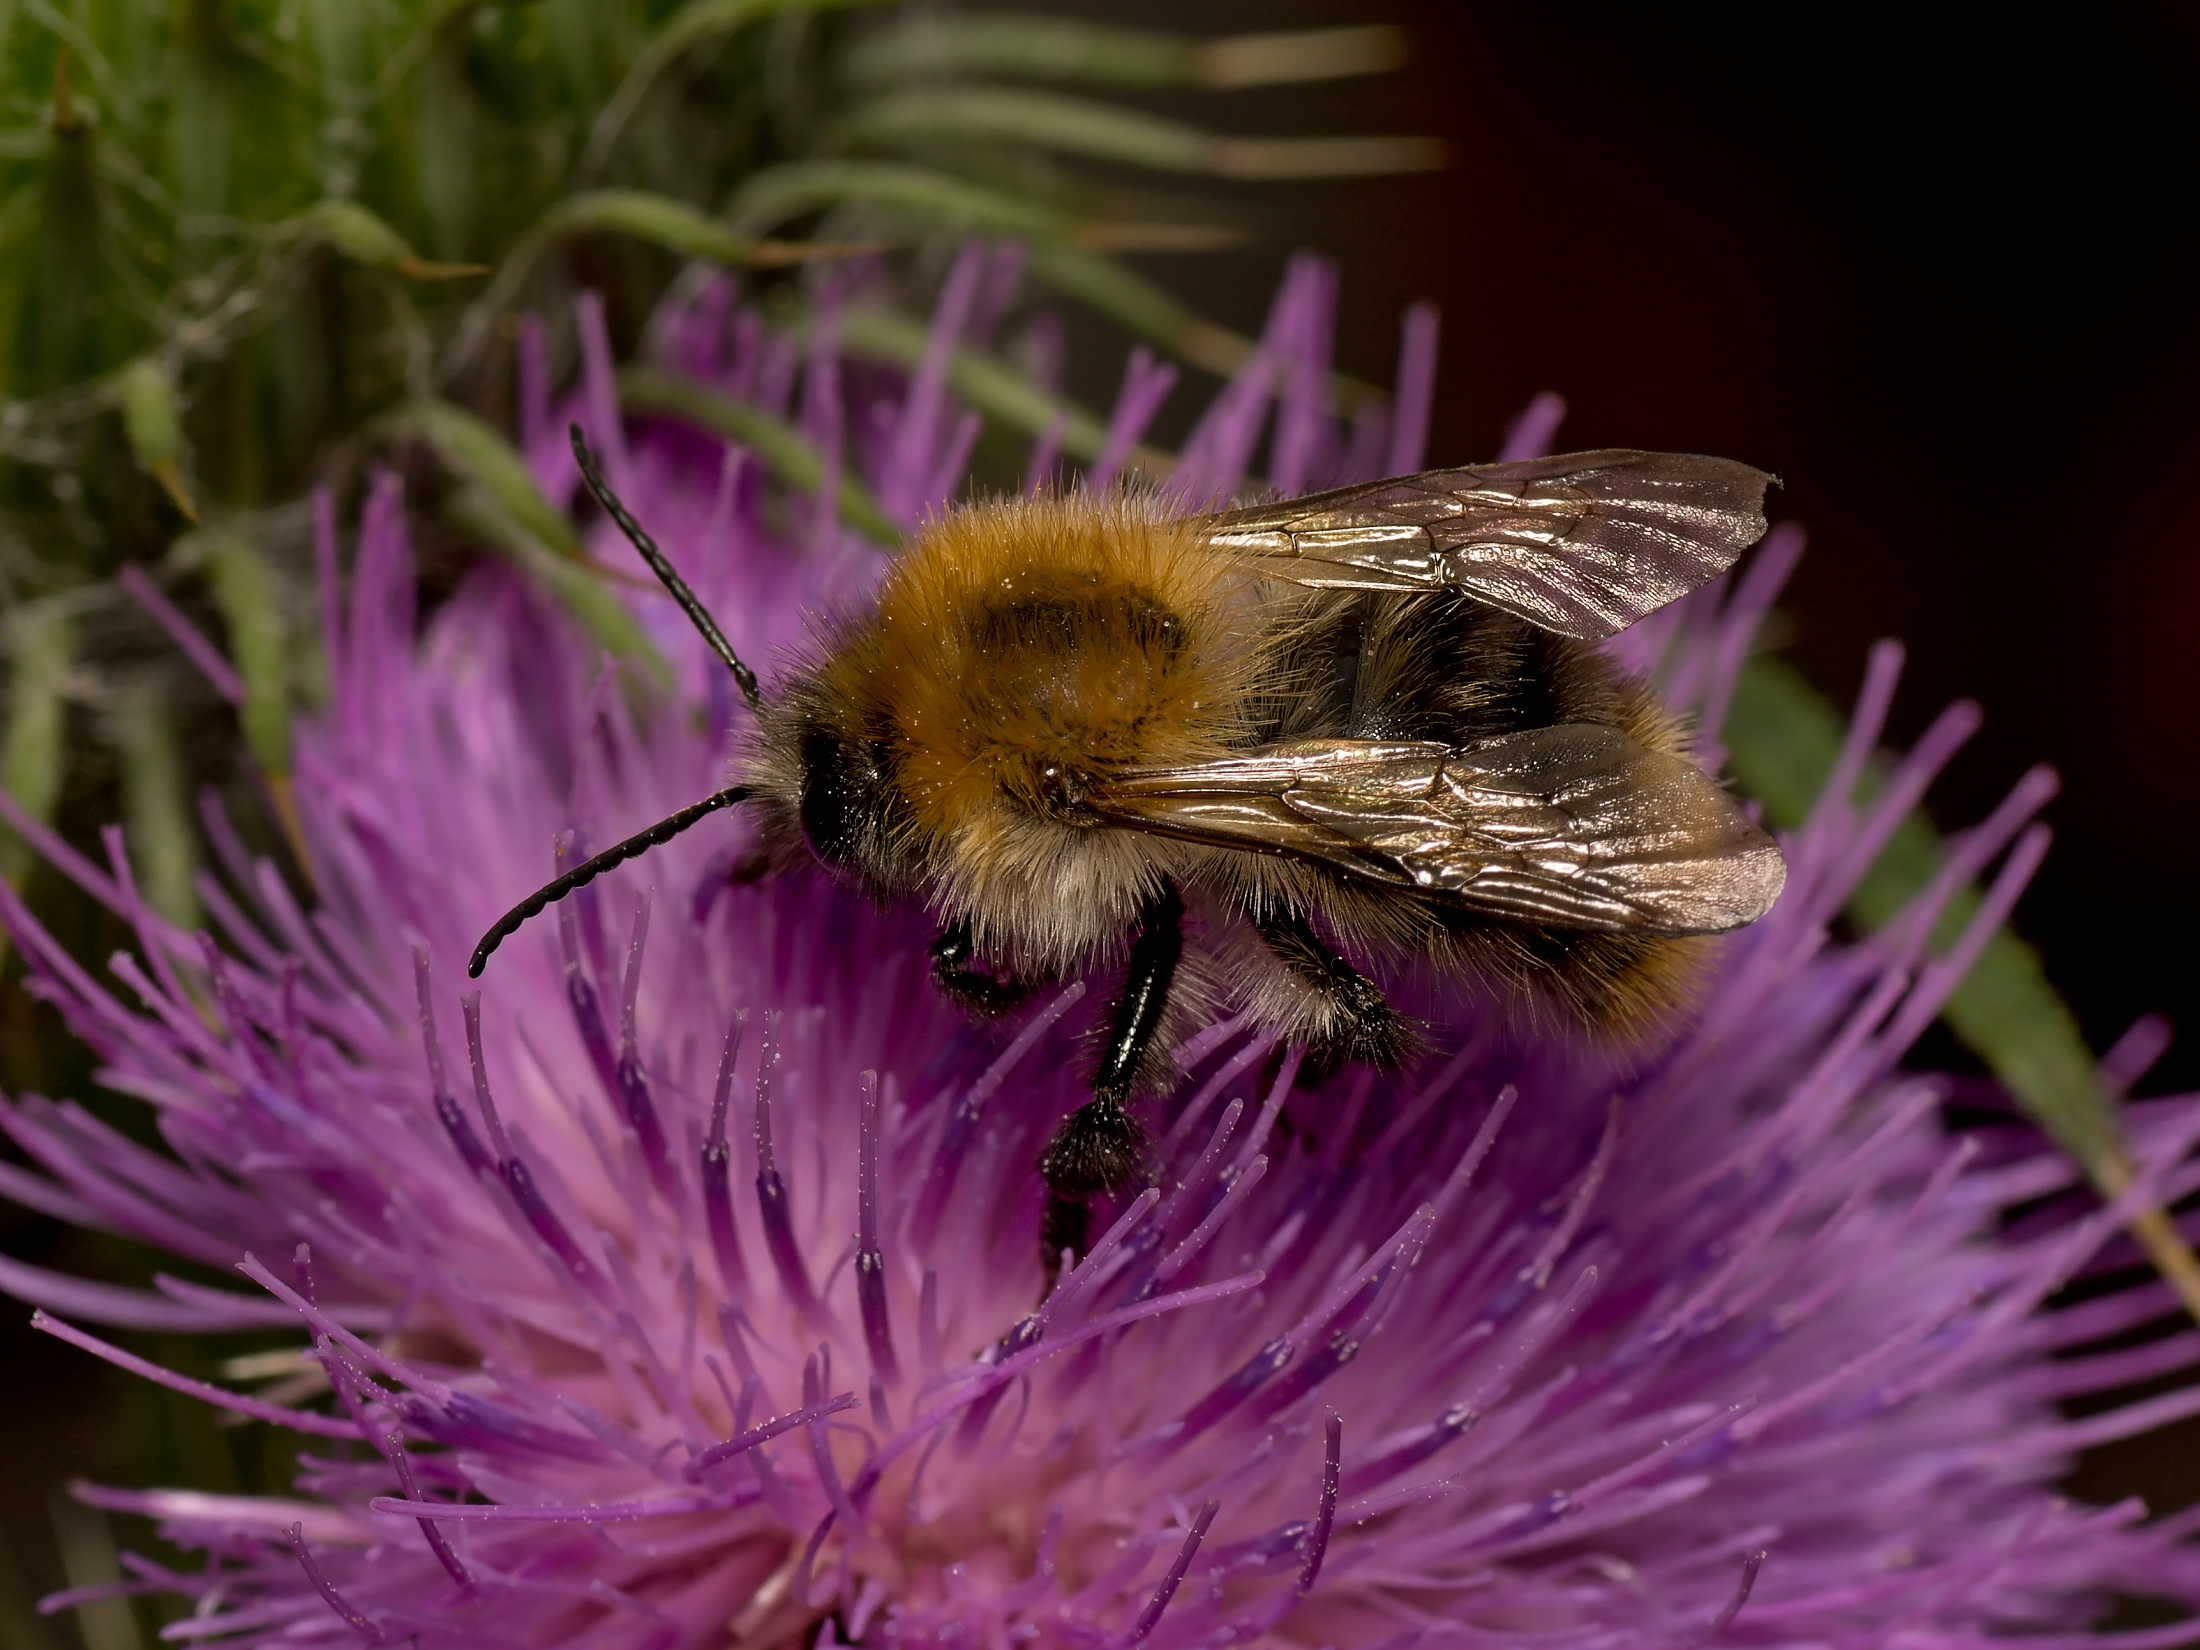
column 589, row 869
column 697, row 614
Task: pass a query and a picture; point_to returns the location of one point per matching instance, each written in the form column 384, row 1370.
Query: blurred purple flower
column 641, row 1328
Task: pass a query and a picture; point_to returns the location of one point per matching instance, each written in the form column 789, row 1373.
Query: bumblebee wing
column 1574, row 827
column 1583, row 544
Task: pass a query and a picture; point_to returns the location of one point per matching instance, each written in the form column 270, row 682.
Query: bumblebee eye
column 839, row 790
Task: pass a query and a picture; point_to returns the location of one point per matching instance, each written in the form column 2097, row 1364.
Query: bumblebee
column 1230, row 751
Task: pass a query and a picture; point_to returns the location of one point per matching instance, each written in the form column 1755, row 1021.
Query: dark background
column 1940, row 275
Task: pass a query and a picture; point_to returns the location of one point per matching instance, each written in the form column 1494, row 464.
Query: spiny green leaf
column 357, row 234
column 657, row 219
column 354, row 232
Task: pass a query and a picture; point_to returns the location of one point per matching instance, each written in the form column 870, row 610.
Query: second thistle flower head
column 680, row 1288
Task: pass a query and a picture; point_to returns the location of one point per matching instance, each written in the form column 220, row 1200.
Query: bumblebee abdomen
column 1445, row 667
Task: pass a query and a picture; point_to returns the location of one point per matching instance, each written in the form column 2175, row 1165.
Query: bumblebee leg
column 1100, row 1145
column 971, row 989
column 1363, row 1025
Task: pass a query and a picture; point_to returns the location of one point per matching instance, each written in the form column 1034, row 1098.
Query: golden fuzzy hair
column 1019, row 649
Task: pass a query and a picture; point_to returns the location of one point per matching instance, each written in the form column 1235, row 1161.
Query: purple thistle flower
column 680, row 1286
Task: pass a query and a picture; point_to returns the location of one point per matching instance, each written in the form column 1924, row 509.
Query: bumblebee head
column 842, row 800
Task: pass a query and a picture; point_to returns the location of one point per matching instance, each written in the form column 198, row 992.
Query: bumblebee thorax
column 1022, row 647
